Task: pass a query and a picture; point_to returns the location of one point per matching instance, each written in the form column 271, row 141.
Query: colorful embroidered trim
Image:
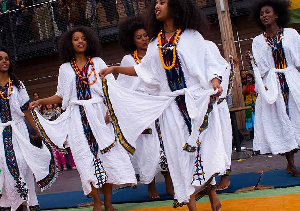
column 34, row 208
column 25, row 106
column 212, row 101
column 198, row 195
column 199, row 173
column 280, row 63
column 10, row 156
column 118, row 132
column 107, row 149
column 163, row 158
column 175, row 74
column 5, row 209
column 46, row 139
column 53, row 173
column 147, row 131
column 100, row 173
column 203, row 126
column 84, row 93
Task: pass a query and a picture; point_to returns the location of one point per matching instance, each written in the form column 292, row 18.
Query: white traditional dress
column 277, row 112
column 18, row 157
column 98, row 157
column 192, row 164
column 149, row 156
column 227, row 76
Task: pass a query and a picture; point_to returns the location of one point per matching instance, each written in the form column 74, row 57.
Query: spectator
column 250, row 99
column 51, row 114
column 111, row 12
column 70, row 156
column 42, row 110
column 128, row 5
column 35, row 96
column 91, row 13
column 24, row 21
column 7, row 21
column 43, row 18
column 243, row 74
column 60, row 159
column 61, row 14
column 77, row 12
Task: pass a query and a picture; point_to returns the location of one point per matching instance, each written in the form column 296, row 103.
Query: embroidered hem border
column 53, row 174
column 198, row 195
column 163, row 162
column 46, row 140
column 114, row 120
column 34, row 208
column 204, row 125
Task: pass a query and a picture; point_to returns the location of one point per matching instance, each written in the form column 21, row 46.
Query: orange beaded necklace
column 78, row 71
column 136, row 57
column 178, row 31
column 3, row 95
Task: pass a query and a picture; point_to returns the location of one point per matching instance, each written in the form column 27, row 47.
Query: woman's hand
column 34, row 104
column 216, row 85
column 106, row 71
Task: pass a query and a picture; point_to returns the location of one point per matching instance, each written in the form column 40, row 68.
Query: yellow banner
column 295, row 4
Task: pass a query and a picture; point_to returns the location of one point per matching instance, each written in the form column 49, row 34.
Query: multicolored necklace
column 273, row 42
column 177, row 34
column 85, row 78
column 136, row 57
column 3, row 95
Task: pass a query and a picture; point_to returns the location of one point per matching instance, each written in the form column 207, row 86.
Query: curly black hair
column 186, row 15
column 126, row 32
column 11, row 71
column 280, row 7
column 65, row 47
column 252, row 76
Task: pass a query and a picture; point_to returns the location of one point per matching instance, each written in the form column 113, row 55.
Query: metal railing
column 30, row 31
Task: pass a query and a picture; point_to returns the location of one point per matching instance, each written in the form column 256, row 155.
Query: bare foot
column 97, row 206
column 224, row 183
column 288, row 169
column 215, row 202
column 109, row 208
column 152, row 192
column 295, row 172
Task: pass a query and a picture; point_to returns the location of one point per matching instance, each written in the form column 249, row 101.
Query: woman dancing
column 276, row 52
column 99, row 159
column 178, row 62
column 17, row 155
column 135, row 40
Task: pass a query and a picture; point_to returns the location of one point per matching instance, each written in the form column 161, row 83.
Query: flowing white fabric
column 26, row 155
column 223, row 107
column 275, row 131
column 147, row 154
column 199, row 67
column 116, row 161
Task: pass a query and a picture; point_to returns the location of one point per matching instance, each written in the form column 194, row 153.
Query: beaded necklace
column 178, row 31
column 136, row 57
column 3, row 95
column 85, row 78
column 276, row 40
